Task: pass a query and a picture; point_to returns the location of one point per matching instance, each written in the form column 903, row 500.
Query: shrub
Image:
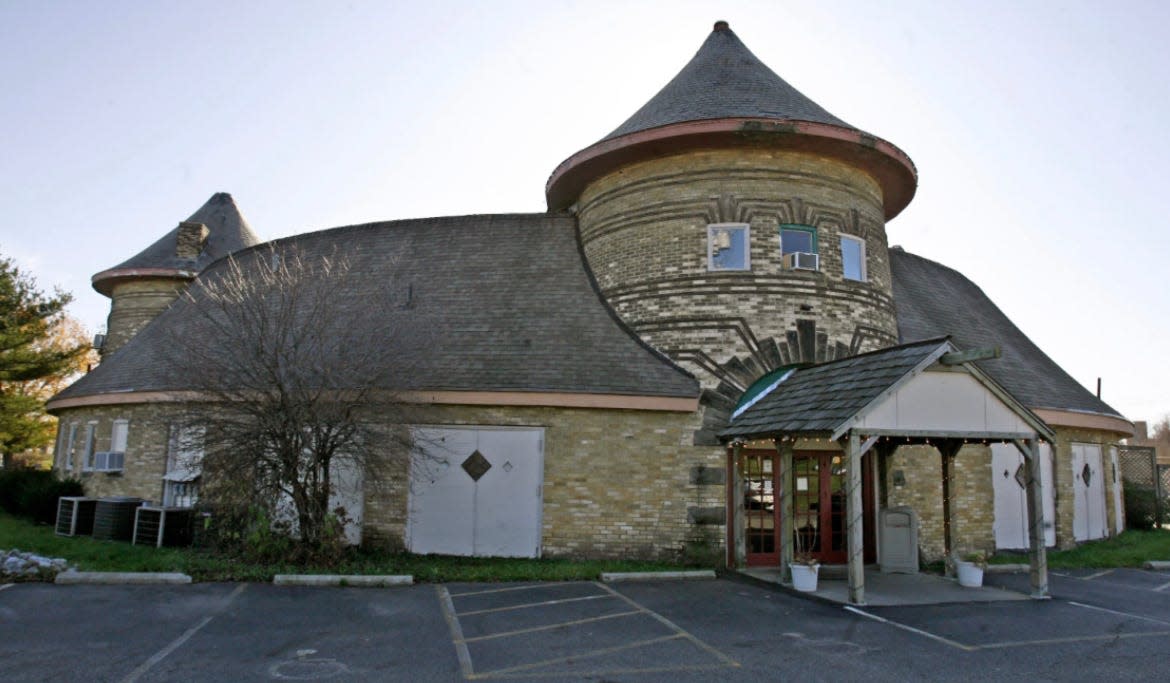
column 33, row 494
column 1141, row 507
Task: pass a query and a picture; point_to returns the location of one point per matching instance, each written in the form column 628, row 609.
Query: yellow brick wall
column 1063, row 474
column 616, row 482
column 972, row 527
column 644, row 231
column 135, row 303
column 972, row 486
column 146, row 449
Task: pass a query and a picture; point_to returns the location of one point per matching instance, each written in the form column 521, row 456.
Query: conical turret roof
column 725, row 80
column 726, row 97
column 227, row 231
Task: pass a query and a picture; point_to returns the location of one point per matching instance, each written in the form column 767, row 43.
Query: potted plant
column 970, row 569
column 804, row 567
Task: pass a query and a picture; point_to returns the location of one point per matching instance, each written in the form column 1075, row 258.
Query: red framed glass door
column 820, row 489
column 761, row 511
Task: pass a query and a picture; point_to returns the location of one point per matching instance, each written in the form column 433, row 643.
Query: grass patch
column 90, row 555
column 1130, row 549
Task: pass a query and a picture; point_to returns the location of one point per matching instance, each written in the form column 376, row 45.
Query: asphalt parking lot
column 1113, row 625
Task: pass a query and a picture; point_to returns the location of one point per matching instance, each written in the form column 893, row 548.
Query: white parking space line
column 1090, row 577
column 911, row 629
column 1113, row 585
column 6, row 586
column 528, row 605
column 537, row 629
column 727, row 661
column 178, row 642
column 1069, row 639
column 509, row 589
column 591, row 654
column 531, row 669
column 461, row 651
column 1122, row 614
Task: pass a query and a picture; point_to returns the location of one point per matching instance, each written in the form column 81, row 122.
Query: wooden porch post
column 948, row 449
column 739, row 551
column 1038, row 554
column 853, row 520
column 784, row 449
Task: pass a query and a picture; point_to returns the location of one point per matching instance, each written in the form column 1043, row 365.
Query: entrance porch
column 810, row 497
column 887, row 590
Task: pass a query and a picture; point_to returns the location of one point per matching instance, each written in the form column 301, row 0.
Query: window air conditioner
column 108, row 461
column 801, row 260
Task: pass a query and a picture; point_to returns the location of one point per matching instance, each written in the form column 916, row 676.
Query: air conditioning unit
column 75, row 516
column 108, row 461
column 114, row 518
column 800, row 260
column 163, row 526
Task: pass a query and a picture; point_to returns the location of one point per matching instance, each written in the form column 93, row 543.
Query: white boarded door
column 1011, row 496
column 1088, row 493
column 476, row 491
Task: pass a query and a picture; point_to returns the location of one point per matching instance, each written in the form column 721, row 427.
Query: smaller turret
column 145, row 285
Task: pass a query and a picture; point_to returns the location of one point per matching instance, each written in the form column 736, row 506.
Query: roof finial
column 722, row 26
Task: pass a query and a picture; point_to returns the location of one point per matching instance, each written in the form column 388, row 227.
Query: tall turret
column 738, row 226
column 145, row 285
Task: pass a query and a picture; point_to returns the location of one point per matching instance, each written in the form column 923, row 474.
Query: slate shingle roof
column 725, row 80
column 491, row 303
column 933, row 300
column 227, row 232
column 725, row 97
column 822, row 397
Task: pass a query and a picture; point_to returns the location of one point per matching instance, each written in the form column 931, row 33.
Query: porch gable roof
column 827, row 399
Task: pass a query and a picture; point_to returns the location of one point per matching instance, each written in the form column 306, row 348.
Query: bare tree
column 295, row 367
column 1160, row 433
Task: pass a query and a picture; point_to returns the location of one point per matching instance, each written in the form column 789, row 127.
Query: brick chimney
column 189, row 242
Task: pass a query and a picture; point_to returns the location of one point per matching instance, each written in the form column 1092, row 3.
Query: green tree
column 28, row 321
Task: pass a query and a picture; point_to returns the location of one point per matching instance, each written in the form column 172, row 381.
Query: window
column 852, row 258
column 61, row 454
column 181, row 494
column 798, row 247
column 106, row 461
column 68, row 464
column 87, row 454
column 728, row 247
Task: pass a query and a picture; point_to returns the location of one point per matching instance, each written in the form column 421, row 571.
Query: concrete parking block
column 1006, row 568
column 1159, row 565
column 132, row 578
column 613, row 577
column 363, row 580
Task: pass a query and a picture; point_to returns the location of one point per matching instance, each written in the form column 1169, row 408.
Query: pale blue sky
column 1038, row 128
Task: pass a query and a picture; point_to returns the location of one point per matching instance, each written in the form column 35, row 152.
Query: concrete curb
column 1157, row 564
column 615, row 577
column 1006, row 568
column 364, row 580
column 776, row 587
column 128, row 578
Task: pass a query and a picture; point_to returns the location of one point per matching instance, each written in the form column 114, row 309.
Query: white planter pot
column 804, row 577
column 970, row 574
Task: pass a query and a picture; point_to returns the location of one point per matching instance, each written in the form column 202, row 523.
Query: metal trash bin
column 898, row 527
